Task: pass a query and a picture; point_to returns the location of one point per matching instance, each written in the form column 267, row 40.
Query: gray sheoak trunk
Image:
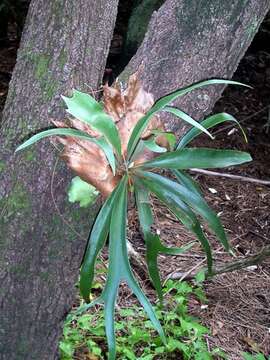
column 192, row 40
column 65, row 45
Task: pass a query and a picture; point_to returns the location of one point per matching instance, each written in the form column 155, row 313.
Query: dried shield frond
column 87, row 160
column 125, row 108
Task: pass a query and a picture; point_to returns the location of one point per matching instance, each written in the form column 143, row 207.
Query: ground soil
column 238, row 311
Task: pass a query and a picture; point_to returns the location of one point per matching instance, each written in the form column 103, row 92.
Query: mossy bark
column 192, row 40
column 64, row 45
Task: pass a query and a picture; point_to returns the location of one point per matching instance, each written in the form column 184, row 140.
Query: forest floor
column 238, row 310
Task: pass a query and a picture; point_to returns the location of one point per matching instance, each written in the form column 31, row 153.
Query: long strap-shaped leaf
column 101, row 142
column 201, row 158
column 196, row 202
column 97, row 238
column 164, row 101
column 154, row 247
column 182, row 115
column 187, row 181
column 182, row 212
column 85, row 108
column 119, row 269
column 208, row 123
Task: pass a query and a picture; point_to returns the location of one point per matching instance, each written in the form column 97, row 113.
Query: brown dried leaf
column 88, row 161
column 251, row 343
column 126, row 108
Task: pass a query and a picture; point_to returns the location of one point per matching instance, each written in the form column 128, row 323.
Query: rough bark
column 64, row 45
column 137, row 24
column 192, row 40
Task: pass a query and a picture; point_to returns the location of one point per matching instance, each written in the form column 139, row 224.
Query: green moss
column 11, row 94
column 23, row 349
column 3, row 236
column 57, row 11
column 17, row 201
column 189, row 17
column 49, row 88
column 9, row 133
column 16, row 204
column 18, row 198
column 14, row 135
column 236, row 10
column 62, row 58
column 2, row 165
column 42, row 68
column 45, row 275
column 42, row 65
column 252, row 28
column 249, row 33
column 21, row 124
column 21, row 270
column 29, row 155
column 47, row 82
column 53, row 254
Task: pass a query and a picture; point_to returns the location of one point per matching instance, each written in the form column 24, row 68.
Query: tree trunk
column 192, row 40
column 64, row 45
column 138, row 23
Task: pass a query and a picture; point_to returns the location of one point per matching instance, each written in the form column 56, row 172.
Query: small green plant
column 248, row 356
column 136, row 338
column 117, row 151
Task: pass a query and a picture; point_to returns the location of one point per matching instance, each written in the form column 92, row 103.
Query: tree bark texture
column 138, row 23
column 64, row 45
column 192, row 40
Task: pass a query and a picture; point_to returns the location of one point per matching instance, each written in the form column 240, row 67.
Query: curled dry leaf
column 125, row 108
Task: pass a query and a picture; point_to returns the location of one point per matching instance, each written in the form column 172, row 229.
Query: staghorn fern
column 116, row 149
